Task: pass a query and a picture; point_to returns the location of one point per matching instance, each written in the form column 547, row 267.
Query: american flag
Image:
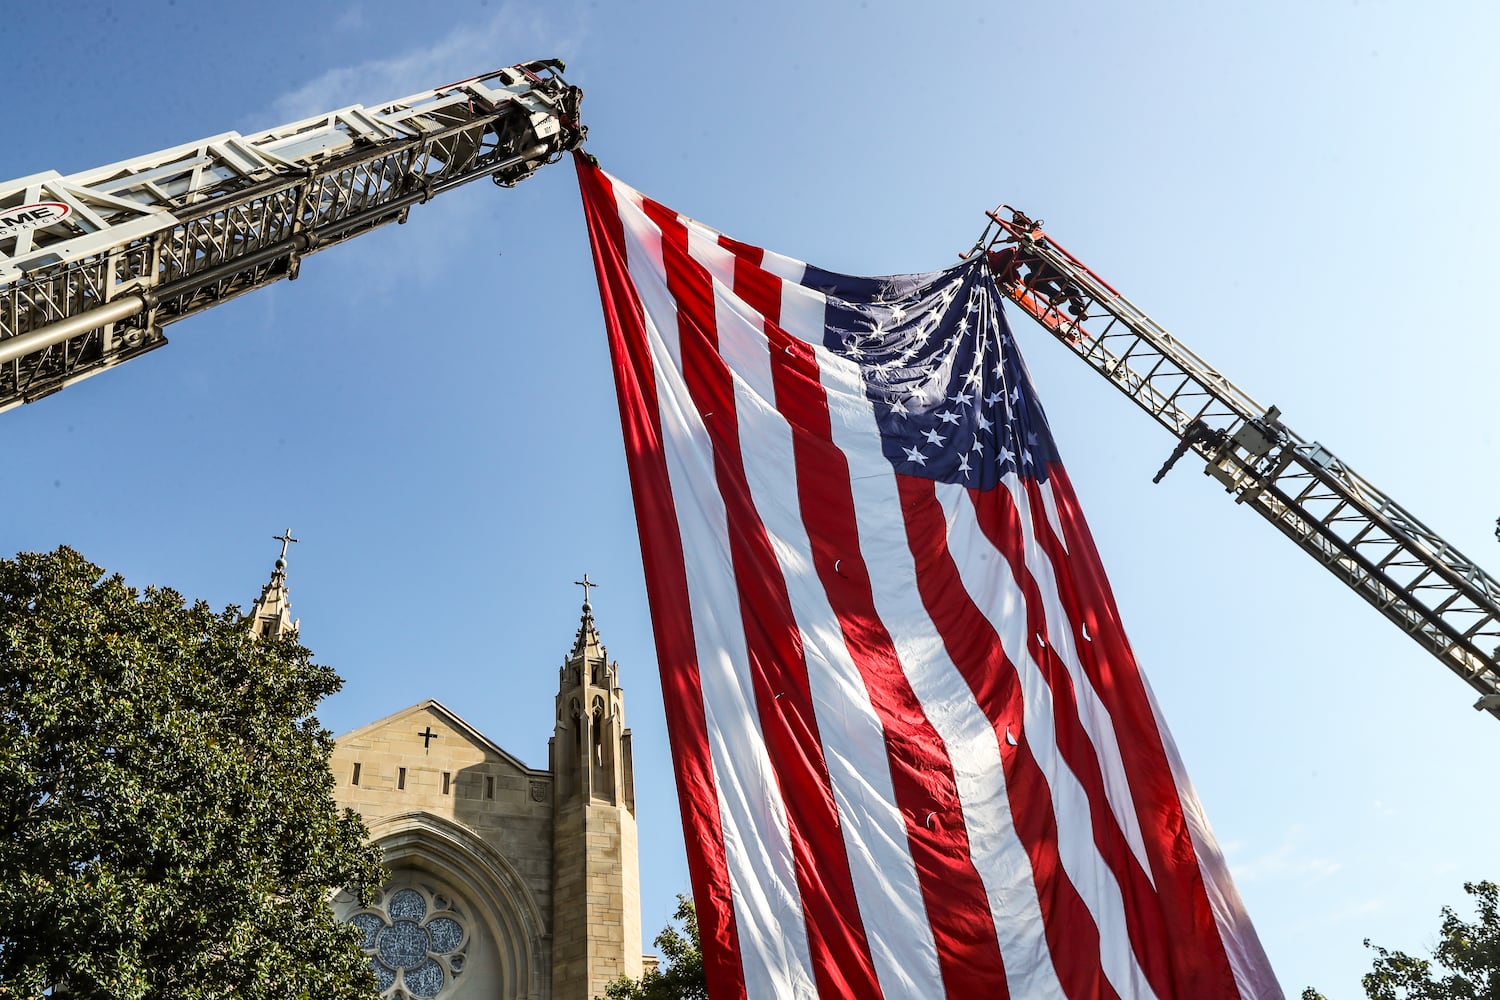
column 914, row 755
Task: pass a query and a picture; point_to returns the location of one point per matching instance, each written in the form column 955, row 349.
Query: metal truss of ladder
column 95, row 264
column 1432, row 592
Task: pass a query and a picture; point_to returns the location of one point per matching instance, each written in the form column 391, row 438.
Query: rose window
column 415, row 939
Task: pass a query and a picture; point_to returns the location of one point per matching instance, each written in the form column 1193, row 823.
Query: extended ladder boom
column 1406, row 570
column 95, row 264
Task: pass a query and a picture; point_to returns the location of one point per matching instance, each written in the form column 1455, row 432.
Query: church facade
column 507, row 882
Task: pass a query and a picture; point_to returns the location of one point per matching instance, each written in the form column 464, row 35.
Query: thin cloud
column 352, row 19
column 1355, row 910
column 509, row 34
column 1287, row 860
column 1356, row 913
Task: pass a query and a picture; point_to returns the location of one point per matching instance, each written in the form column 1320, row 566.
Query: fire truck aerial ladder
column 94, row 265
column 1406, row 570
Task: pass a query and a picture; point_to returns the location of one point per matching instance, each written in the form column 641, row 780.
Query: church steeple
column 591, row 748
column 272, row 612
column 588, row 654
column 596, row 878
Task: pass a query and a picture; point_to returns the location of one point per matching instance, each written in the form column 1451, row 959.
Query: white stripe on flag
column 1092, row 711
column 768, row 909
column 874, row 831
column 998, row 596
column 1247, row 958
column 969, row 735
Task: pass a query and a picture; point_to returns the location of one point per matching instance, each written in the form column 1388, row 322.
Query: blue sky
column 1303, row 193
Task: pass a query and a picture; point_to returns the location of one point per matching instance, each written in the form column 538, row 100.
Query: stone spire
column 590, row 750
column 596, row 874
column 272, row 613
column 587, row 646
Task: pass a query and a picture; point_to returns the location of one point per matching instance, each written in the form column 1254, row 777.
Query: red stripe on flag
column 1000, row 519
column 835, row 933
column 847, row 946
column 1202, row 970
column 921, row 772
column 975, row 649
column 666, row 585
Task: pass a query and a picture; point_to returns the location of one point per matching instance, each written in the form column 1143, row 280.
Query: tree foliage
column 1465, row 964
column 680, row 975
column 167, row 823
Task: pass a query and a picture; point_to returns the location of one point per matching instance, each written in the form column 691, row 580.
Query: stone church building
column 507, row 882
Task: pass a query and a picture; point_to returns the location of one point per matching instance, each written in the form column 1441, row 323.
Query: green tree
column 1465, row 965
column 167, row 823
column 680, row 976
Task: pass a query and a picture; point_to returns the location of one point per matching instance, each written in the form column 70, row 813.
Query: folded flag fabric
column 914, row 754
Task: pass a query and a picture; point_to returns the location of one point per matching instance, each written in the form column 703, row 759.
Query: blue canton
column 951, row 393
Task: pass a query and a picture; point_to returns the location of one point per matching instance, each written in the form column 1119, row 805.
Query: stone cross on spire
column 588, row 635
column 586, row 583
column 271, row 614
column 286, row 538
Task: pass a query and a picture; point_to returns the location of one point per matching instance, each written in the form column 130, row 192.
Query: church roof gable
column 448, row 717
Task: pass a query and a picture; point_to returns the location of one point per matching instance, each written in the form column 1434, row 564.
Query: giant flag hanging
column 914, row 754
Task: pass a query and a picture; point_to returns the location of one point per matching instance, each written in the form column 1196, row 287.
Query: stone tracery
column 415, row 938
